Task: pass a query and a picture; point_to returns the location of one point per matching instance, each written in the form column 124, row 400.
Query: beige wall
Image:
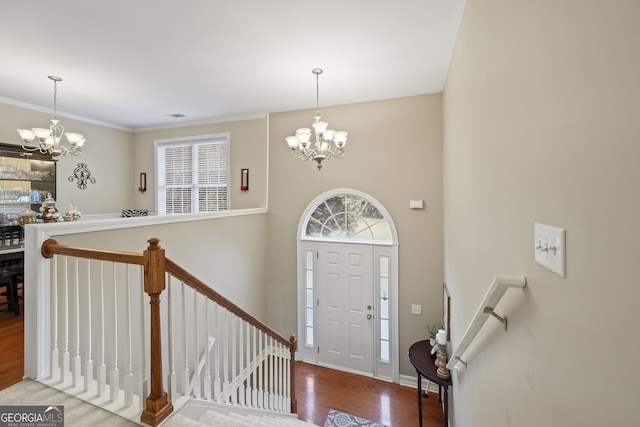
column 228, row 254
column 541, row 124
column 107, row 154
column 249, row 144
column 394, row 154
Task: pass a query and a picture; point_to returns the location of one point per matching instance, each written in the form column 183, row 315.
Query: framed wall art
column 446, row 310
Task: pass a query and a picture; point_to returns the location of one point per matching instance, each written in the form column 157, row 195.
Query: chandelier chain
column 317, row 94
column 55, row 98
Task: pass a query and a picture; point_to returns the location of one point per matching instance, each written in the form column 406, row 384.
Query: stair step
column 216, row 419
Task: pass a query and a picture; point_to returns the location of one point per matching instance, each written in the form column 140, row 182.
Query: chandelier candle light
column 328, row 143
column 49, row 139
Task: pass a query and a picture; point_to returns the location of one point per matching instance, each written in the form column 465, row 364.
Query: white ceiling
column 132, row 63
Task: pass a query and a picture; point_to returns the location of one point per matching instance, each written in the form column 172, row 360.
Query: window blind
column 193, row 176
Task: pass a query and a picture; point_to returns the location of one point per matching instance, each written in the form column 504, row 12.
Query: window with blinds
column 193, row 175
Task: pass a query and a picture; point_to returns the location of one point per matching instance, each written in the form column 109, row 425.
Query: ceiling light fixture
column 49, row 139
column 328, row 143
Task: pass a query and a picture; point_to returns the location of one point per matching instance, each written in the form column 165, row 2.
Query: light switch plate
column 549, row 247
column 416, row 309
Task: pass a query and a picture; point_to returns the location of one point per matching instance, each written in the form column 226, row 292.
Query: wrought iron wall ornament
column 82, row 174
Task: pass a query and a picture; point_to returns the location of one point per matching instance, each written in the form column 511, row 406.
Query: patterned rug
column 340, row 419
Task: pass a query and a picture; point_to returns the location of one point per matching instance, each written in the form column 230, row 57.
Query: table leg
column 420, row 397
column 446, row 407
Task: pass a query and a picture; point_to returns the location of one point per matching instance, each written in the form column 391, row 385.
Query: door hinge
column 318, row 302
column 318, row 349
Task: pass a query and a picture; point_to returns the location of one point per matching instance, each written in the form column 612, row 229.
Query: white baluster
column 278, row 368
column 260, row 372
column 88, row 364
column 254, row 382
column 196, row 349
column 283, row 375
column 290, row 363
column 207, row 367
column 185, row 372
column 128, row 376
column 54, row 370
column 225, row 352
column 115, row 374
column 76, row 369
column 144, row 383
column 65, row 322
column 216, row 352
column 271, row 377
column 234, row 374
column 172, row 371
column 101, row 374
column 247, row 379
column 240, row 380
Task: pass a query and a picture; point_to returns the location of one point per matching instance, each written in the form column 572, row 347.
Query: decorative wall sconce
column 244, row 180
column 143, row 182
column 83, row 175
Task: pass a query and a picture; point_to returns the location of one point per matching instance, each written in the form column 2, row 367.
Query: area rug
column 340, row 419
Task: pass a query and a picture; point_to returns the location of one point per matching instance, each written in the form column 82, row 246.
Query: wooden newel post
column 294, row 347
column 158, row 406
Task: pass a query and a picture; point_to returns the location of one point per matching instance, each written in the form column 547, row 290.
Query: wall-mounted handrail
column 497, row 289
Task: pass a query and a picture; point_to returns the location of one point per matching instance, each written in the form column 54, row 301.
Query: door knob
column 369, row 316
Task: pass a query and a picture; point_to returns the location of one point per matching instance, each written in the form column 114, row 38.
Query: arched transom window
column 348, row 217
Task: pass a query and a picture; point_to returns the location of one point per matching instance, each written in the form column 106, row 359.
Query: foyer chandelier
column 49, row 138
column 328, row 143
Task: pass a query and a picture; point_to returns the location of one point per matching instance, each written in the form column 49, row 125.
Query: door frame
column 382, row 369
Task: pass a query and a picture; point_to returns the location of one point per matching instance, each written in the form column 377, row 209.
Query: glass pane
column 309, row 337
column 309, row 261
column 384, row 309
column 309, row 302
column 384, row 329
column 309, row 279
column 347, row 216
column 384, row 287
column 309, row 319
column 384, row 266
column 384, row 351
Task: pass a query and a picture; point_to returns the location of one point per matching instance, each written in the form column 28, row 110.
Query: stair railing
column 499, row 286
column 215, row 350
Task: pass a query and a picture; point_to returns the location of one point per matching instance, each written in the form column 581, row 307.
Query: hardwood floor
column 318, row 389
column 11, row 348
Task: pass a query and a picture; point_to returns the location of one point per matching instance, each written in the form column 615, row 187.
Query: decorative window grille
column 348, row 217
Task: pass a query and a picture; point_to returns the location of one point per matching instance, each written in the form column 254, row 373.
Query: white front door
column 345, row 315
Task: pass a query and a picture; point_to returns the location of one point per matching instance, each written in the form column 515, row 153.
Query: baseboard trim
column 410, row 381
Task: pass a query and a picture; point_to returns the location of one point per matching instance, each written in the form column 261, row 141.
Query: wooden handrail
column 50, row 248
column 195, row 283
column 155, row 265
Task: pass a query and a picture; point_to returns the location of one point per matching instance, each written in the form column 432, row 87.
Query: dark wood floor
column 318, row 389
column 11, row 347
